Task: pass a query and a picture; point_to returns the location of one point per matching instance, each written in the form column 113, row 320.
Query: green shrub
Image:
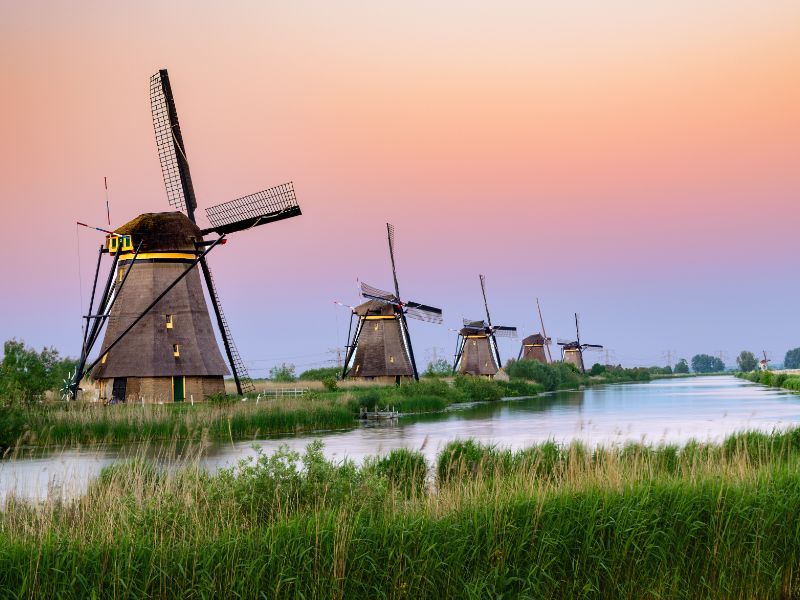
column 320, row 374
column 478, row 388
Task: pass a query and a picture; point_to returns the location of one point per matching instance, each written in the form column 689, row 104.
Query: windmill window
column 121, row 273
column 176, row 350
column 391, row 359
column 113, row 244
column 105, row 357
column 169, row 321
column 127, row 243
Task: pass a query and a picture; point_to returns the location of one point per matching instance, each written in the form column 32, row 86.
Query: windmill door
column 178, row 392
column 119, row 389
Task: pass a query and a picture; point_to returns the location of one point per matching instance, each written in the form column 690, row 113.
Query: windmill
column 572, row 351
column 764, row 362
column 476, row 347
column 534, row 346
column 380, row 346
column 159, row 343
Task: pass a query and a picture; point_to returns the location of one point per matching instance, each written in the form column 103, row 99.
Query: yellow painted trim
column 169, row 321
column 479, row 337
column 105, row 357
column 157, row 255
column 377, row 317
column 176, row 350
column 533, row 345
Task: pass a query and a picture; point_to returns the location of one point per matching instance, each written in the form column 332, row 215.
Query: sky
column 635, row 162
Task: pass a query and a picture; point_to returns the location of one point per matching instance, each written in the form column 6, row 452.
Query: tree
column 705, row 363
column 25, row 375
column 682, row 366
column 438, row 368
column 792, row 359
column 282, row 372
column 597, row 369
column 747, row 361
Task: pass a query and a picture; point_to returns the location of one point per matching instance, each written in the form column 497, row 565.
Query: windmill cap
column 162, row 231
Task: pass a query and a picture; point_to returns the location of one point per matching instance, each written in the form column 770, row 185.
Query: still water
column 662, row 411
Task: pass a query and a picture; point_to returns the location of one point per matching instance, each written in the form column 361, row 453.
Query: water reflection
column 669, row 411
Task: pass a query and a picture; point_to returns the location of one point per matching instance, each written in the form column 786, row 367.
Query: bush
column 548, row 376
column 320, row 374
column 283, row 372
column 438, row 368
column 329, row 383
column 478, row 388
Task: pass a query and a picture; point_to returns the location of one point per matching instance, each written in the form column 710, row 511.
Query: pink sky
column 635, row 162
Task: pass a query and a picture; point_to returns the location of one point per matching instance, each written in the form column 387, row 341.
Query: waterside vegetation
column 785, row 381
column 704, row 521
column 233, row 418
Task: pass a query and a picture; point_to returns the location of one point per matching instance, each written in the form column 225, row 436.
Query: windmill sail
column 374, row 293
column 267, row 206
column 171, row 150
column 423, row 312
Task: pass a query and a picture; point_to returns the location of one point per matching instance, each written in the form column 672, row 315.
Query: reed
column 704, row 521
column 82, row 423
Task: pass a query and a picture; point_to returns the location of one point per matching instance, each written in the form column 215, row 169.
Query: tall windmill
column 572, row 351
column 534, row 346
column 159, row 343
column 476, row 347
column 763, row 364
column 380, row 346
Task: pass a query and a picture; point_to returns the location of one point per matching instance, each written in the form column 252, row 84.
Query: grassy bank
column 232, row 419
column 547, row 522
column 786, row 381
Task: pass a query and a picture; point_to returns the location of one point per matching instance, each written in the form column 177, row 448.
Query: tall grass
column 79, row 423
column 706, row 521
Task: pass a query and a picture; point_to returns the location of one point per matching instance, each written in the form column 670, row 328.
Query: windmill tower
column 159, row 344
column 476, row 347
column 763, row 364
column 536, row 346
column 572, row 351
column 380, row 346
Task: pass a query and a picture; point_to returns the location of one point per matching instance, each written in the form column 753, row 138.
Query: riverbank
column 785, row 381
column 235, row 419
column 548, row 521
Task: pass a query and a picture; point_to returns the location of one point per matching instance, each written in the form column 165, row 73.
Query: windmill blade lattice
column 374, row 293
column 505, row 331
column 267, row 206
column 423, row 312
column 171, row 150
